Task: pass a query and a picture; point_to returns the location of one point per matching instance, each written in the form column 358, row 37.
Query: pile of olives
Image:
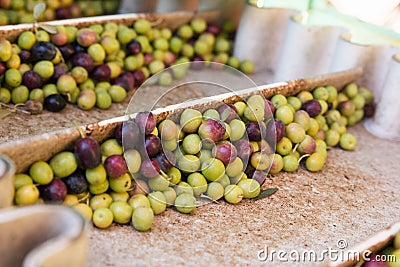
column 222, row 153
column 21, row 11
column 96, row 66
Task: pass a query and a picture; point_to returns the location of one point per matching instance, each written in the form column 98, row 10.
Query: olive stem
column 82, row 134
column 15, row 108
column 85, row 198
column 209, row 198
column 61, row 56
column 34, row 28
column 163, row 174
column 132, row 188
column 295, row 147
column 156, row 22
column 304, row 156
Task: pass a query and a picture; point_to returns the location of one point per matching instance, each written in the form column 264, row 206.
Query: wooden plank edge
column 373, row 244
column 171, row 20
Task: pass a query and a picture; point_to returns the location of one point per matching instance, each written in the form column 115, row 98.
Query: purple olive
column 54, row 192
column 312, row 107
column 115, row 166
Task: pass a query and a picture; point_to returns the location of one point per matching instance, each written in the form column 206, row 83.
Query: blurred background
column 384, row 13
column 381, row 13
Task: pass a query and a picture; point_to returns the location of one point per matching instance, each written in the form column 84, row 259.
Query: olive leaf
column 6, row 109
column 266, row 193
column 38, row 10
column 48, row 28
column 5, row 112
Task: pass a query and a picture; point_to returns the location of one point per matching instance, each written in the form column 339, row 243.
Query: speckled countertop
column 354, row 196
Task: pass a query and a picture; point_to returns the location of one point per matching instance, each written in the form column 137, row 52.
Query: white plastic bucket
column 386, row 123
column 260, row 36
column 307, row 50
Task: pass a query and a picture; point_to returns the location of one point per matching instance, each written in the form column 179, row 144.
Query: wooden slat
column 354, row 255
column 171, row 20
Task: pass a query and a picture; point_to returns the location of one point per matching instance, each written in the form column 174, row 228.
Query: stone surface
column 354, row 196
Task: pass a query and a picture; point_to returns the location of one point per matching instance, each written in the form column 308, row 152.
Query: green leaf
column 38, row 10
column 5, row 112
column 266, row 193
column 48, row 28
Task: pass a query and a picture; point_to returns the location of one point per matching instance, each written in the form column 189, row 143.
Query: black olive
column 54, row 103
column 43, row 51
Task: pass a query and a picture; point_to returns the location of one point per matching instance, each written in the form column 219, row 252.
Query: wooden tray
column 375, row 243
column 171, row 20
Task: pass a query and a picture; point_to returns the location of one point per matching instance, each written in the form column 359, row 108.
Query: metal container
column 7, row 172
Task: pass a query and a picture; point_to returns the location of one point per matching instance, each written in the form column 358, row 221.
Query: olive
column 43, row 51
column 54, row 103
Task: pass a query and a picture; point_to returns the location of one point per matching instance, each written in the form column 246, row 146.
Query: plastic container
column 350, row 55
column 307, row 50
column 43, row 235
column 377, row 68
column 137, row 6
column 229, row 9
column 386, row 123
column 260, row 35
column 176, row 5
column 373, row 58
